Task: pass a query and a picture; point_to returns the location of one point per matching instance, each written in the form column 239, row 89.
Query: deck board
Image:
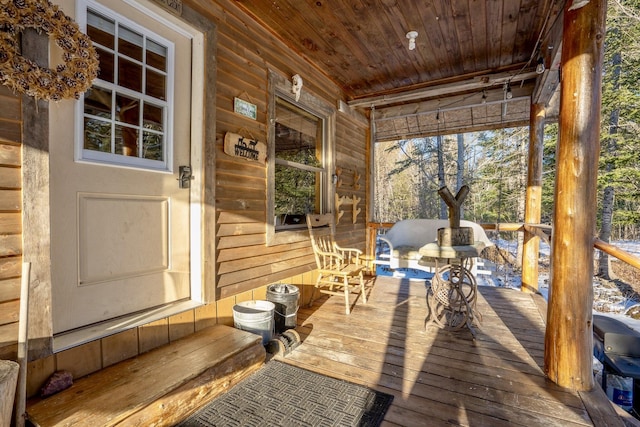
column 439, row 377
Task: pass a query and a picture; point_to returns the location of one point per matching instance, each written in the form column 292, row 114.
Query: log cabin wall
column 10, row 220
column 244, row 265
column 246, row 53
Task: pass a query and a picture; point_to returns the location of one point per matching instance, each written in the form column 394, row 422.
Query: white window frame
column 117, row 160
column 280, row 87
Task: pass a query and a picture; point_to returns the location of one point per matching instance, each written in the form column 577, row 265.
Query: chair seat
column 349, row 270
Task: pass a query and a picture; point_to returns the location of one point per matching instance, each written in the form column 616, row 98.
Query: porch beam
column 533, row 200
column 447, row 89
column 568, row 338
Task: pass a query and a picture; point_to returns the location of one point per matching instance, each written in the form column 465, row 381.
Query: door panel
column 120, row 233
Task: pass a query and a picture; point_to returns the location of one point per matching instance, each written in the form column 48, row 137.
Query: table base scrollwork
column 451, row 298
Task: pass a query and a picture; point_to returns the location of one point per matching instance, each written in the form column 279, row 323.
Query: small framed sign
column 245, row 108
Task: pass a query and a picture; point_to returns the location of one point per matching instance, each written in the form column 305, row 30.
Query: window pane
column 152, row 147
column 130, row 75
column 97, row 135
column 130, row 43
column 128, row 109
column 156, row 55
column 155, row 85
column 106, row 65
column 153, row 117
column 101, row 30
column 97, row 102
column 295, row 191
column 298, row 135
column 126, row 141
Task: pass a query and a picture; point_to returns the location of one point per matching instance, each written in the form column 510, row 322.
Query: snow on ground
column 608, row 301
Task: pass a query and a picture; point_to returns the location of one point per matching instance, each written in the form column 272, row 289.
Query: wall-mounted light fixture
column 412, row 35
column 507, row 91
column 540, row 67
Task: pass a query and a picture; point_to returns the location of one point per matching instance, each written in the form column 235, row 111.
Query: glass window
column 127, row 108
column 299, row 164
column 300, row 141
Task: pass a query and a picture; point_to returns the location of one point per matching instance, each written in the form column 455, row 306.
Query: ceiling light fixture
column 411, row 35
column 484, row 96
column 540, row 67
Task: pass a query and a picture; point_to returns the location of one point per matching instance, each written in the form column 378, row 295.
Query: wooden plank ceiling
column 466, row 53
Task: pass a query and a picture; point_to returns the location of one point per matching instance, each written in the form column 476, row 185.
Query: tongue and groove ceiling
column 454, row 81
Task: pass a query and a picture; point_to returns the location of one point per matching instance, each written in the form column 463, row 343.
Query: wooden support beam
column 569, row 339
column 476, row 83
column 533, row 200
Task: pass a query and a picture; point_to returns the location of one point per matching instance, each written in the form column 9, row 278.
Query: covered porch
column 499, row 380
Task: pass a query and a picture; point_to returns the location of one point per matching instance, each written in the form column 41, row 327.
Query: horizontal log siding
column 350, row 156
column 245, row 54
column 10, row 220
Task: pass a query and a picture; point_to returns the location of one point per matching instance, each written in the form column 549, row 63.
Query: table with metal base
column 451, row 298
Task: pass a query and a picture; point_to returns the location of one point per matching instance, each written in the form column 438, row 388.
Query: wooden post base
column 455, row 236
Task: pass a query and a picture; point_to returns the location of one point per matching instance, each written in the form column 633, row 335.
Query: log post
column 533, row 200
column 569, row 339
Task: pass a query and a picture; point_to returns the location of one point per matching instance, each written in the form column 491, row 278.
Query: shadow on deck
column 443, row 378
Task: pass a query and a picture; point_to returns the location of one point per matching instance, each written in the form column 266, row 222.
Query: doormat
column 283, row 395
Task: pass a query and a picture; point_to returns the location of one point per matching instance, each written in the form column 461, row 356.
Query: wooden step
column 158, row 388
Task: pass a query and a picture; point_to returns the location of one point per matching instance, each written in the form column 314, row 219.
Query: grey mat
column 283, row 395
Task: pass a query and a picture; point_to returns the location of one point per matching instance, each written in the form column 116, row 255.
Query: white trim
column 165, row 18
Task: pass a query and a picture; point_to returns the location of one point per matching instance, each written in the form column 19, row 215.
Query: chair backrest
column 321, row 231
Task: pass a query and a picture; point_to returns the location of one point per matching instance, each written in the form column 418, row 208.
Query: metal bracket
column 185, row 177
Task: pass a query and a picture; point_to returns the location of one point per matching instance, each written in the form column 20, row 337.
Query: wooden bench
column 158, row 388
column 406, row 237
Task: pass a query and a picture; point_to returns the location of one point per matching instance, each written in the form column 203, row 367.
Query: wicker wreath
column 23, row 75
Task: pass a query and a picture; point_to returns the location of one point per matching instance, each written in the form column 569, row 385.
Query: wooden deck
column 443, row 378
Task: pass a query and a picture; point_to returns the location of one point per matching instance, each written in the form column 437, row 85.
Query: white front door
column 120, row 238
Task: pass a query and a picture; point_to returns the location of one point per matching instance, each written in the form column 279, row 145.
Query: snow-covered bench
column 406, row 237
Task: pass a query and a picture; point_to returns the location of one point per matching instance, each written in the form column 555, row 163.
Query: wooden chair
column 339, row 271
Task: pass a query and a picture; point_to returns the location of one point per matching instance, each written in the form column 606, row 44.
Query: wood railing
column 541, row 230
column 616, row 252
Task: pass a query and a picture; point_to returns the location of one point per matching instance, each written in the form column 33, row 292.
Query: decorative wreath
column 23, row 75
